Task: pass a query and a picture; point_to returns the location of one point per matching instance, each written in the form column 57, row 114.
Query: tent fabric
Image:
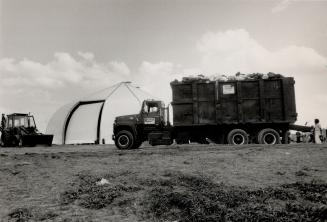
column 58, row 120
column 122, row 102
column 82, row 127
column 90, row 119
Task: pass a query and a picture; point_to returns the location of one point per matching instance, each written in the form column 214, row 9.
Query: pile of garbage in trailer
column 237, row 76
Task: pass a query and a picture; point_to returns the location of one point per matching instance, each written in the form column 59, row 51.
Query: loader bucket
column 37, row 139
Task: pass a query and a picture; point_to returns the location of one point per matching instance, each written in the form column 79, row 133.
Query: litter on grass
column 103, row 181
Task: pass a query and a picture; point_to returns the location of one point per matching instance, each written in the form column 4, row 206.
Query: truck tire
column 124, row 140
column 237, row 137
column 268, row 136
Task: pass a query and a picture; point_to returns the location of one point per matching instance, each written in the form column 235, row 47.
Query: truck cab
column 152, row 124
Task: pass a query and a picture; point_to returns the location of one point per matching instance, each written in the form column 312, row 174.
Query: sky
column 52, row 52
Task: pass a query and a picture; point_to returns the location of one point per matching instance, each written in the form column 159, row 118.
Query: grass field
column 175, row 183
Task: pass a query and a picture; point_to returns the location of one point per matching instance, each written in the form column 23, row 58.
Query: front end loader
column 19, row 129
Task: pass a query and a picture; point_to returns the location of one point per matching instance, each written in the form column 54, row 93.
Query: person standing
column 2, row 127
column 298, row 137
column 317, row 131
column 3, row 122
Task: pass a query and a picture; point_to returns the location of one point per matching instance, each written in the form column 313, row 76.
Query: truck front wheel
column 268, row 136
column 237, row 137
column 124, row 140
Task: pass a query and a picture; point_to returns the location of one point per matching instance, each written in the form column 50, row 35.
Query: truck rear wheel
column 268, row 136
column 237, row 137
column 124, row 140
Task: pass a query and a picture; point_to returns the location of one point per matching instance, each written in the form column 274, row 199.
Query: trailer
column 233, row 112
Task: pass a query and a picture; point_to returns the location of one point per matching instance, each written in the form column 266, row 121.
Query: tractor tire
column 237, row 137
column 124, row 140
column 20, row 142
column 6, row 139
column 268, row 136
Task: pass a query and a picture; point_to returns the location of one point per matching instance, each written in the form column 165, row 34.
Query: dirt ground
column 33, row 180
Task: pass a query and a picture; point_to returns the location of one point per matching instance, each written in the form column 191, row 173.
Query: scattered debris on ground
column 89, row 194
column 194, row 198
column 301, row 173
column 259, row 183
column 185, row 197
column 102, row 182
column 24, row 214
column 21, row 214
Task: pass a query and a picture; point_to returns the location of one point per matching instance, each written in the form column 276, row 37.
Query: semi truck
column 237, row 112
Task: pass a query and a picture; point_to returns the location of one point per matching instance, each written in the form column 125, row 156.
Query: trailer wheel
column 268, row 136
column 124, row 140
column 237, row 137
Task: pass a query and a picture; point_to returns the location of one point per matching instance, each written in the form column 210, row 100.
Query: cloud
column 41, row 88
column 119, row 67
column 30, row 86
column 281, row 6
column 86, row 55
column 232, row 51
column 155, row 78
column 235, row 50
column 63, row 71
column 229, row 52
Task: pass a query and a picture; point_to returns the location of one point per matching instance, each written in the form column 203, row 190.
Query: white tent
column 90, row 120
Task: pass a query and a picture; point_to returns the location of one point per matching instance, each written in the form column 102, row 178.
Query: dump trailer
column 233, row 112
column 20, row 130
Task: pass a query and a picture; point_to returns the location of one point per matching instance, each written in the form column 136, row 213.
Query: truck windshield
column 150, row 107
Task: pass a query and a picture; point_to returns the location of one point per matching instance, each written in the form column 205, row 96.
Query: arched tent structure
column 90, row 120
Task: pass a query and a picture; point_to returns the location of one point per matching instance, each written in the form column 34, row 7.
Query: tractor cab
column 20, row 130
column 20, row 120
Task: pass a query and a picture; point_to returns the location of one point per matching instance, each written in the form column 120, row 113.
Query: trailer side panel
column 234, row 102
